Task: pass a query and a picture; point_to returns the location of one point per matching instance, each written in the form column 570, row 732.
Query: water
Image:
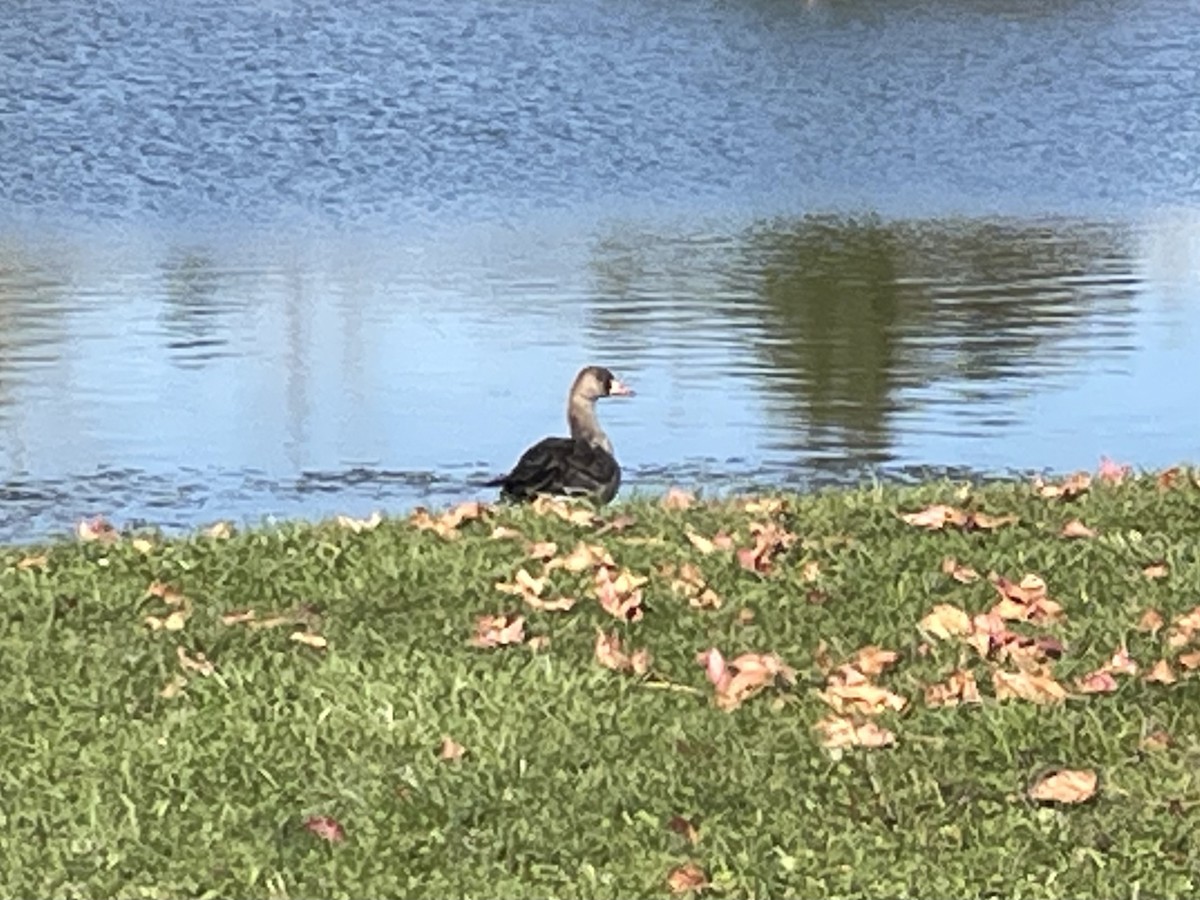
column 275, row 260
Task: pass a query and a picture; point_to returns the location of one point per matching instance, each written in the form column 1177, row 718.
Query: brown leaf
column 142, row 546
column 585, row 556
column 219, row 531
column 620, row 595
column 608, row 651
column 960, row 687
column 360, row 525
column 687, row 878
column 309, row 639
column 559, row 604
column 1156, row 570
column 867, row 699
column 97, row 529
column 1065, row 786
column 498, row 631
column 174, row 687
column 523, row 585
column 504, row 533
column 769, row 539
column 965, row 574
column 1167, row 477
column 945, row 621
column 1076, row 529
column 811, row 570
column 983, row 522
column 678, row 498
column 1027, row 686
column 737, row 681
column 745, row 616
column 576, row 515
column 684, row 828
column 839, row 731
column 538, row 642
column 1067, row 489
column 200, row 664
column 174, row 621
column 542, row 550
column 1161, row 673
column 326, row 828
column 936, row 517
column 872, row 660
column 705, row 545
column 1121, row 663
column 41, row 561
column 1151, row 621
column 1113, row 473
column 450, row 749
column 762, row 506
column 1026, row 601
column 1190, row 661
column 237, row 617
column 1156, row 740
column 1183, row 628
column 1099, row 682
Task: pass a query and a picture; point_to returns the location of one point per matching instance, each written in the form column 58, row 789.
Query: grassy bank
column 179, row 715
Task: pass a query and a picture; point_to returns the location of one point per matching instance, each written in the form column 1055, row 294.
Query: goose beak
column 619, row 389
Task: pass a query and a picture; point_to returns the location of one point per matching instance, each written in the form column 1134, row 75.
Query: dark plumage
column 580, row 465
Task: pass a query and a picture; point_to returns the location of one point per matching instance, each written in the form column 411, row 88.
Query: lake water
column 272, row 259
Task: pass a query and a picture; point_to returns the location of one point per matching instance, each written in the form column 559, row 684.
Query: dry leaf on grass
column 964, row 574
column 945, row 621
column 1161, row 673
column 498, row 631
column 1034, row 687
column 1183, row 628
column 1099, row 682
column 1156, row 740
column 1025, row 601
column 866, row 699
column 523, row 585
column 41, row 561
column 360, row 525
column 309, row 639
column 542, row 550
column 504, row 533
column 810, row 571
column 761, row 506
column 1076, row 529
column 219, row 531
column 620, row 594
column 940, row 515
column 719, row 541
column 174, row 687
column 737, row 681
column 237, row 617
column 550, row 506
column 97, row 529
column 959, row 687
column 838, row 732
column 1065, row 786
column 770, row 538
column 1112, row 472
column 873, row 660
column 686, row 878
column 690, row 583
column 1190, row 661
column 1167, row 477
column 326, row 828
column 684, row 828
column 446, row 525
column 450, row 749
column 1156, row 570
column 678, row 498
column 1067, row 489
column 1151, row 621
column 1121, row 663
column 585, row 556
column 200, row 664
column 610, row 654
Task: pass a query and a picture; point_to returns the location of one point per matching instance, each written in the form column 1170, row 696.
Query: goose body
column 580, row 465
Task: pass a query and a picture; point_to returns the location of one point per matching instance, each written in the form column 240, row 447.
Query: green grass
column 108, row 789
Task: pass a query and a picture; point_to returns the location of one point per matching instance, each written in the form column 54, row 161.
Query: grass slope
column 109, row 789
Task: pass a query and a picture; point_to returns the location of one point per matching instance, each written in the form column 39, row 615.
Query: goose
column 580, row 465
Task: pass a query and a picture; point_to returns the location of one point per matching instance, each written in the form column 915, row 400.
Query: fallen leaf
column 1068, row 489
column 503, row 532
column 745, row 616
column 237, row 617
column 1121, row 663
column 1156, row 740
column 762, row 506
column 984, row 522
column 309, row 639
column 678, row 498
column 691, row 584
column 945, row 621
column 619, row 595
column 174, row 687
column 1027, row 686
column 1099, row 682
column 838, row 732
column 96, row 529
column 538, row 642
column 1190, row 661
column 811, row 570
column 360, row 525
column 1076, row 529
column 936, row 517
column 1155, row 570
column 687, row 878
column 585, row 556
column 169, row 594
column 1183, row 628
column 1151, row 621
column 872, row 660
column 684, row 828
column 559, row 604
column 326, row 828
column 738, row 680
column 959, row 687
column 720, row 541
column 1111, row 472
column 576, row 515
column 498, row 631
column 142, row 546
column 542, row 550
column 200, row 664
column 964, row 574
column 1166, row 478
column 619, row 524
column 450, row 749
column 1161, row 673
column 867, row 699
column 769, row 539
column 523, row 585
column 41, row 561
column 219, row 531
column 1026, row 601
column 1065, row 786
